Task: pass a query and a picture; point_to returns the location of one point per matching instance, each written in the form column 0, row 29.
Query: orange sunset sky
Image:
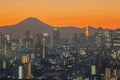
column 79, row 13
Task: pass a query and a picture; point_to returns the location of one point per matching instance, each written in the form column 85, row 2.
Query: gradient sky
column 79, row 13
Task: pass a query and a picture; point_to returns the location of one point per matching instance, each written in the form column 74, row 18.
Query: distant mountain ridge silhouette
column 35, row 26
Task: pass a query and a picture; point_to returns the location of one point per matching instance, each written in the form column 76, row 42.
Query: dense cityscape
column 47, row 57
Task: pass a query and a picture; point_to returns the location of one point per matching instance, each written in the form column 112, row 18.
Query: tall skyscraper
column 45, row 35
column 56, row 36
column 29, row 71
column 82, row 40
column 20, row 72
column 116, row 39
column 100, row 42
column 76, row 39
column 107, row 34
column 1, row 41
column 5, row 47
column 107, row 73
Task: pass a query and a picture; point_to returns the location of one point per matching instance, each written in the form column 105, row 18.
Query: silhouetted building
column 56, row 36
column 100, row 38
column 107, row 35
column 76, row 39
column 1, row 41
column 82, row 40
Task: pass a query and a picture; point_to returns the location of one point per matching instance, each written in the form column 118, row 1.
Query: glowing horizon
column 78, row 13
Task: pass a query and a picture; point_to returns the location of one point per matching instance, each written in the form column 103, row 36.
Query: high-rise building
column 1, row 41
column 25, row 58
column 5, row 47
column 76, row 39
column 26, row 67
column 28, row 40
column 28, row 43
column 107, row 74
column 44, row 41
column 46, row 36
column 116, row 39
column 107, row 35
column 4, row 64
column 15, row 43
column 29, row 71
column 114, row 73
column 93, row 70
column 82, row 40
column 56, row 36
column 100, row 38
column 20, row 72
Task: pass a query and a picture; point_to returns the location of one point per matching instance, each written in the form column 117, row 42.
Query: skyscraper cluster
column 51, row 57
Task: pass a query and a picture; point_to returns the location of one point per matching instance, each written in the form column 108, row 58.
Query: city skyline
column 60, row 39
column 53, row 57
column 78, row 13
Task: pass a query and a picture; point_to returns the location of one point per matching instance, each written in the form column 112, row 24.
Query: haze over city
column 78, row 13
